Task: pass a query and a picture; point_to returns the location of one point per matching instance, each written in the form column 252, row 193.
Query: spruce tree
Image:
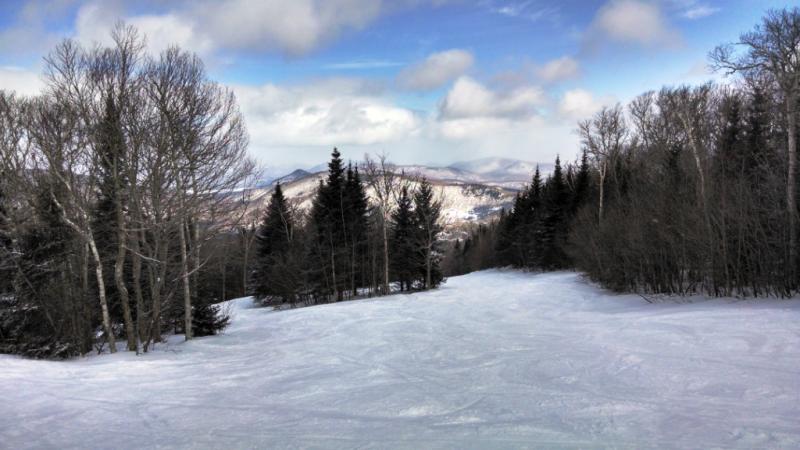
column 329, row 223
column 554, row 226
column 276, row 274
column 528, row 236
column 581, row 187
column 110, row 206
column 427, row 218
column 356, row 210
column 405, row 257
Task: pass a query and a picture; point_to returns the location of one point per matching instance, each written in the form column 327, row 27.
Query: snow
column 494, row 359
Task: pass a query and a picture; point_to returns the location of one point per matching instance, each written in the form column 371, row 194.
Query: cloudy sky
column 426, row 81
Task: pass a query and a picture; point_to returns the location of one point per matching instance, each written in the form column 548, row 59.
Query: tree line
column 350, row 244
column 126, row 210
column 683, row 190
column 112, row 191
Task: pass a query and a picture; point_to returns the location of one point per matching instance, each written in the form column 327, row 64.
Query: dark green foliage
column 356, row 212
column 111, row 198
column 44, row 317
column 427, row 221
column 208, row 320
column 404, row 255
column 328, row 217
column 277, row 272
column 555, row 223
column 534, row 234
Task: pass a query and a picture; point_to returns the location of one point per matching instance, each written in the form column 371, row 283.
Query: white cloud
column 700, row 11
column 436, row 70
column 560, row 69
column 633, row 21
column 323, row 114
column 95, row 20
column 295, row 27
column 577, row 104
column 21, row 81
column 468, row 99
column 292, row 28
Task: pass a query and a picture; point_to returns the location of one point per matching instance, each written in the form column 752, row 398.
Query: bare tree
column 384, row 184
column 603, row 137
column 773, row 48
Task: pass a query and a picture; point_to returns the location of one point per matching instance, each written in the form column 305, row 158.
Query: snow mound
column 494, row 359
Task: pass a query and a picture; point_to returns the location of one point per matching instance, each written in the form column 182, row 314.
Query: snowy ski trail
column 494, row 359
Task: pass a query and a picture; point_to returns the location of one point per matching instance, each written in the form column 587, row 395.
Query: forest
column 124, row 214
column 683, row 190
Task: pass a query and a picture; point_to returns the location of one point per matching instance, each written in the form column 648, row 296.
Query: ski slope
column 495, row 359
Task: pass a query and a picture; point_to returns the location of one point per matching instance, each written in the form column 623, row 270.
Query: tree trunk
column 246, row 261
column 101, row 289
column 602, row 192
column 119, row 278
column 385, row 258
column 137, row 290
column 791, row 188
column 428, row 267
column 336, row 293
column 187, row 293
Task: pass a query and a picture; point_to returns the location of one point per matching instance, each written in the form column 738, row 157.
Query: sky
column 423, row 81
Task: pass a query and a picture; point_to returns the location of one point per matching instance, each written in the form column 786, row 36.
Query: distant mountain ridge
column 473, row 191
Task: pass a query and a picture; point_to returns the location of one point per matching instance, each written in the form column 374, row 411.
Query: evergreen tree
column 329, row 222
column 42, row 285
column 277, row 272
column 405, row 257
column 581, row 186
column 356, row 210
column 530, row 237
column 111, row 200
column 504, row 247
column 554, row 226
column 208, row 319
column 427, row 218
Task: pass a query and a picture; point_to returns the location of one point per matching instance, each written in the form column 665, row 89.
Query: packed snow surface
column 495, row 359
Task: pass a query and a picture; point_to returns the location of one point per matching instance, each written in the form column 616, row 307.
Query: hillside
column 473, row 191
column 493, row 359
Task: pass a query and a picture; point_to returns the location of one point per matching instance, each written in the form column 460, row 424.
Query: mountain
column 502, row 170
column 298, row 174
column 472, row 191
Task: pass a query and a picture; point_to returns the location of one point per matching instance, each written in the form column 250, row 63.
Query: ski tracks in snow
column 495, row 359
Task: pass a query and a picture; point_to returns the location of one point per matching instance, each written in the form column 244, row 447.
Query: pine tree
column 25, row 325
column 427, row 218
column 356, row 210
column 405, row 257
column 554, row 227
column 329, row 222
column 505, row 231
column 208, row 320
column 581, row 187
column 276, row 273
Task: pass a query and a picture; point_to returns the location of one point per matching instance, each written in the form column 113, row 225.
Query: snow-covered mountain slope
column 491, row 360
column 502, row 170
column 473, row 191
column 463, row 201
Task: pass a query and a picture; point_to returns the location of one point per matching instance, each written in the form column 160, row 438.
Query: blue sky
column 426, row 81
